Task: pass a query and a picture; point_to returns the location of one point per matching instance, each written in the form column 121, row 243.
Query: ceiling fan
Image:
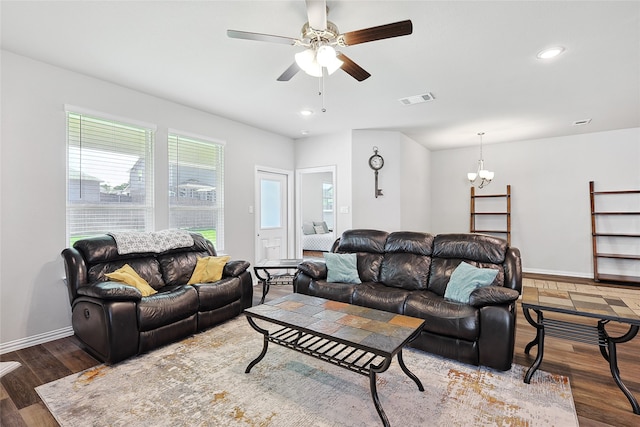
column 320, row 38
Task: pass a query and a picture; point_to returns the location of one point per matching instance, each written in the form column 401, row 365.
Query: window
column 196, row 186
column 270, row 201
column 327, row 204
column 109, row 176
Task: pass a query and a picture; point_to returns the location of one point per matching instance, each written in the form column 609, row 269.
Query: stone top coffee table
column 594, row 305
column 359, row 339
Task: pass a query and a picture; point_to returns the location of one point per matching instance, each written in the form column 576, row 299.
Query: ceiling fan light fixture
column 326, row 55
column 334, row 65
column 306, row 60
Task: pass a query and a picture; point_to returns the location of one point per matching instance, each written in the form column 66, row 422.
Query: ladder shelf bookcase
column 476, row 199
column 599, row 237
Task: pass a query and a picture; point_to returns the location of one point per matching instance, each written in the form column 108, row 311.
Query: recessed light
column 551, row 52
column 306, row 112
column 304, row 132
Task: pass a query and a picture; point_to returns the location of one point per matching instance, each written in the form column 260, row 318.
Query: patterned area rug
column 201, row 382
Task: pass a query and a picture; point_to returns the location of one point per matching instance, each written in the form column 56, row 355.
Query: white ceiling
column 477, row 58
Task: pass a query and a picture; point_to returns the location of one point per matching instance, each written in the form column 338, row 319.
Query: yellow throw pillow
column 128, row 276
column 208, row 269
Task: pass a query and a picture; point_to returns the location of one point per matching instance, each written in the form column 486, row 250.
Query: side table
column 603, row 308
column 281, row 277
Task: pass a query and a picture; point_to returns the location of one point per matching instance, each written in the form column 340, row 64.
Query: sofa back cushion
column 476, row 247
column 407, row 260
column 479, row 250
column 171, row 267
column 146, row 267
column 177, row 267
column 369, row 247
column 372, row 241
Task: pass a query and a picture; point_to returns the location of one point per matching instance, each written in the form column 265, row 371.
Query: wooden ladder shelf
column 599, row 238
column 506, row 213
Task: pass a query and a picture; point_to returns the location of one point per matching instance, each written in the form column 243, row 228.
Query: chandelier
column 484, row 175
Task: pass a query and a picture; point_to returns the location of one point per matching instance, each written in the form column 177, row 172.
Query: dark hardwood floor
column 598, row 400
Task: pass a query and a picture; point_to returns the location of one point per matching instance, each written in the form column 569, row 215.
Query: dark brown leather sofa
column 408, row 272
column 114, row 321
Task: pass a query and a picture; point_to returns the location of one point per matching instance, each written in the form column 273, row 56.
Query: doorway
column 315, row 205
column 273, row 214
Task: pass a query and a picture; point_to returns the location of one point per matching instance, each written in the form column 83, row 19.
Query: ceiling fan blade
column 289, row 72
column 396, row 29
column 260, row 37
column 317, row 14
column 353, row 69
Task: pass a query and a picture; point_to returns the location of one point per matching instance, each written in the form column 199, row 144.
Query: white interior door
column 273, row 217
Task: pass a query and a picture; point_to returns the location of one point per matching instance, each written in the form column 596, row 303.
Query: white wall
column 404, row 180
column 330, row 150
column 33, row 154
column 415, row 188
column 549, row 181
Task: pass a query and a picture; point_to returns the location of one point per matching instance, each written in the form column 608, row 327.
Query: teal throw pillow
column 342, row 268
column 466, row 279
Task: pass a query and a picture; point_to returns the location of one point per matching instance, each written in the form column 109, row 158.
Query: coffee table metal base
column 578, row 332
column 334, row 352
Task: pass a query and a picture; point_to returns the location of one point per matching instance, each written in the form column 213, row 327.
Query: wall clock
column 376, row 162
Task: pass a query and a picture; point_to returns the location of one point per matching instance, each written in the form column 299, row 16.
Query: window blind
column 109, row 176
column 196, row 186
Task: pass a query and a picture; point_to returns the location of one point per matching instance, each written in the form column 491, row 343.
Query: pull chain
column 321, row 91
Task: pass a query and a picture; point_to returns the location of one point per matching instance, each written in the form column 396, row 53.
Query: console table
column 604, row 308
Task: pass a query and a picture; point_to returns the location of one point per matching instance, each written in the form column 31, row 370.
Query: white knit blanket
column 129, row 242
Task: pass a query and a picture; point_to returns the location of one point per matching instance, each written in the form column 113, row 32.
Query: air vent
column 582, row 122
column 417, row 99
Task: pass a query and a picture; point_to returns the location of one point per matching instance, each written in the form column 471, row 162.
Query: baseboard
column 557, row 273
column 21, row 343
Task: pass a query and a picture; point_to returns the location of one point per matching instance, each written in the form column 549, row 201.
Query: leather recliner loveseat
column 408, row 273
column 114, row 321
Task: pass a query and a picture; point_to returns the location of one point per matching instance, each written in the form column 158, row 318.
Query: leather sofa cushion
column 177, row 267
column 363, row 241
column 441, row 269
column 448, row 318
column 369, row 266
column 405, row 271
column 476, row 247
column 334, row 291
column 381, row 297
column 101, row 249
column 218, row 294
column 166, row 307
column 146, row 267
column 409, row 242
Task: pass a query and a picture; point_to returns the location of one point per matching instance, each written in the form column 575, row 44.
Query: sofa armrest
column 235, row 268
column 111, row 291
column 76, row 270
column 315, row 269
column 492, row 295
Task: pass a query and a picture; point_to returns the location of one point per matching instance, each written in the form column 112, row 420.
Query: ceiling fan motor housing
column 326, row 36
